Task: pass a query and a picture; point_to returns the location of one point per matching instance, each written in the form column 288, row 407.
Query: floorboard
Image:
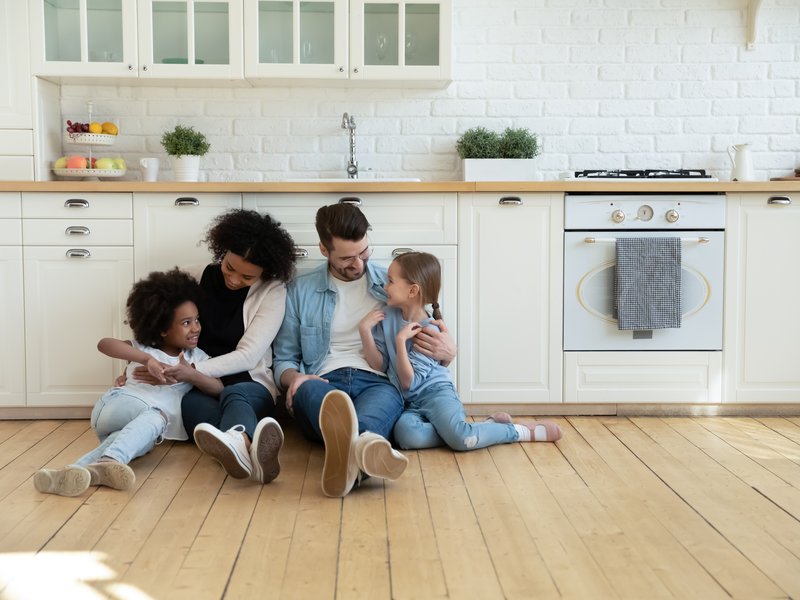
column 620, row 507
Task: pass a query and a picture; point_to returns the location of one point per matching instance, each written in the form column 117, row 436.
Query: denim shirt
column 304, row 338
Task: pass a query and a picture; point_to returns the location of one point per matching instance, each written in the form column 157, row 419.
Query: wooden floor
column 619, row 508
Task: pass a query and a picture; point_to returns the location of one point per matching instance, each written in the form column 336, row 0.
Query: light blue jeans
column 126, row 426
column 438, row 419
column 377, row 402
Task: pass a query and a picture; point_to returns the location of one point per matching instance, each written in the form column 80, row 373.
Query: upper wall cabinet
column 356, row 40
column 159, row 39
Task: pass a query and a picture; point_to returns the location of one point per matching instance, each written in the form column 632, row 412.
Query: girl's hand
column 142, row 375
column 409, row 331
column 371, row 319
column 156, row 369
column 183, row 371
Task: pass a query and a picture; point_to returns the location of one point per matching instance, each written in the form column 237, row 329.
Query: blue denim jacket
column 305, row 335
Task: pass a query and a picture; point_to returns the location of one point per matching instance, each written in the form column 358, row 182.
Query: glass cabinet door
column 394, row 39
column 190, row 38
column 83, row 37
column 296, row 38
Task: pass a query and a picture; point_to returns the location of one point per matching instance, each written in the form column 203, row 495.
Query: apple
column 76, row 162
column 104, row 163
column 119, row 163
column 61, row 163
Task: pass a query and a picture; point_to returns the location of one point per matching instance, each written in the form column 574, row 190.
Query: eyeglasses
column 363, row 257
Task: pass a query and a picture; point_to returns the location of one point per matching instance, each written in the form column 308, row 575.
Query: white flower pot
column 499, row 169
column 186, row 167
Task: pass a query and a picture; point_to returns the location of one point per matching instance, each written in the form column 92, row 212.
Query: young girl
column 131, row 419
column 434, row 415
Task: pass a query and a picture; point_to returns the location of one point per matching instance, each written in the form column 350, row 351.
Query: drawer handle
column 187, row 201
column 398, row 251
column 300, row 253
column 780, row 200
column 78, row 253
column 76, row 203
column 510, row 201
column 354, row 200
column 77, row 230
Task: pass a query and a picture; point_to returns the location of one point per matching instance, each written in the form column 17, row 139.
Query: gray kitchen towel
column 647, row 283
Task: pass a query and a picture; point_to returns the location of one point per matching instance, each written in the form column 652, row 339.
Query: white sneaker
column 376, row 457
column 339, row 425
column 226, row 447
column 265, row 450
column 68, row 481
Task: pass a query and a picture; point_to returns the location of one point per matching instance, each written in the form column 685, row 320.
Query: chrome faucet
column 349, row 123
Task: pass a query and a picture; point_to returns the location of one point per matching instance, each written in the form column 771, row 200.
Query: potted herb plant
column 185, row 145
column 490, row 156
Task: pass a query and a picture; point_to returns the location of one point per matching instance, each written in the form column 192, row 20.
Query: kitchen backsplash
column 604, row 83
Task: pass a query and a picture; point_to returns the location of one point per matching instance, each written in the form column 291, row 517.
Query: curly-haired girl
column 129, row 420
column 243, row 302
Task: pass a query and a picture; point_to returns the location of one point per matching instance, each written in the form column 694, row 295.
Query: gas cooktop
column 640, row 174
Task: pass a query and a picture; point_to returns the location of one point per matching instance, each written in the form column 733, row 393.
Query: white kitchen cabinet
column 16, row 117
column 168, row 228
column 762, row 352
column 510, row 256
column 158, row 39
column 12, row 330
column 377, row 40
column 75, row 291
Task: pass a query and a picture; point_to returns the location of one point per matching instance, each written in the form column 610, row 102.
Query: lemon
column 95, row 128
column 110, row 128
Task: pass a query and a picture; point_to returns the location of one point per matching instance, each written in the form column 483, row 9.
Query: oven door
column 589, row 322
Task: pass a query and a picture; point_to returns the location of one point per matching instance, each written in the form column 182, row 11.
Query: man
column 330, row 388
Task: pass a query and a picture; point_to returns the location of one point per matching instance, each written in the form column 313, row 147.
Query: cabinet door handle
column 76, row 203
column 779, row 200
column 300, row 252
column 398, row 251
column 354, row 200
column 130, row 67
column 510, row 201
column 77, row 230
column 78, row 253
column 187, row 201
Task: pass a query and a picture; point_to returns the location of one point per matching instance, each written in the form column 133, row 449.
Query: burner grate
column 643, row 174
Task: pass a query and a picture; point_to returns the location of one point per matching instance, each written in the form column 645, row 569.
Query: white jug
column 742, row 162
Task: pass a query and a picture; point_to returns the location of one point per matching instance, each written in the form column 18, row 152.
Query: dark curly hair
column 257, row 238
column 152, row 302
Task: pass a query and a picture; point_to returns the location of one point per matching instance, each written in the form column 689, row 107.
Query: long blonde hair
column 424, row 270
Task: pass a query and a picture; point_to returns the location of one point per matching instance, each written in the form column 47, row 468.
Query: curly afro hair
column 257, row 238
column 152, row 302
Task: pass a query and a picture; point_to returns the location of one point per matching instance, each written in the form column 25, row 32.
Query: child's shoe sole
column 69, row 481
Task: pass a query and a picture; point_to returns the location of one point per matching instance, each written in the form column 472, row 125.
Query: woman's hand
column 142, row 375
column 183, row 371
column 120, row 381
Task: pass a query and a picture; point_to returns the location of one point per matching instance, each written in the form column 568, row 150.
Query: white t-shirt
column 166, row 398
column 353, row 302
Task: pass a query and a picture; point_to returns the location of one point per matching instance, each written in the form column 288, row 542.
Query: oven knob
column 672, row 215
column 618, row 216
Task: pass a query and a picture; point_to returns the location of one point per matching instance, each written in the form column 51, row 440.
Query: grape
column 85, row 127
column 69, row 123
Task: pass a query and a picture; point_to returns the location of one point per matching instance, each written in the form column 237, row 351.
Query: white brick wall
column 605, row 83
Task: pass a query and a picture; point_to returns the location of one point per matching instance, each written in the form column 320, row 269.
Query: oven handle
column 594, row 240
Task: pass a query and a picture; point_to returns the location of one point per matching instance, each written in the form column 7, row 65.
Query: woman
column 241, row 306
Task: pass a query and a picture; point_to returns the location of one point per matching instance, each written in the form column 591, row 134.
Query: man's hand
column 296, row 382
column 436, row 344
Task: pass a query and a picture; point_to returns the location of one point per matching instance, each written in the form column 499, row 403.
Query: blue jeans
column 126, row 425
column 244, row 403
column 377, row 402
column 438, row 419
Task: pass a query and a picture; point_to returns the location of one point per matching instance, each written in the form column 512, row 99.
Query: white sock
column 523, row 432
column 540, row 433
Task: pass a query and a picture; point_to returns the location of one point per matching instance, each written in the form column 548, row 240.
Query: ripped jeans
column 126, row 426
column 438, row 418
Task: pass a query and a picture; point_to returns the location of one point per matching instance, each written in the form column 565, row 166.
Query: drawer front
column 10, row 205
column 10, row 232
column 402, row 219
column 16, row 168
column 60, row 232
column 77, row 206
column 16, row 142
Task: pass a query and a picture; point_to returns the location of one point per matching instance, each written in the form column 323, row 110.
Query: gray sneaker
column 265, row 450
column 339, row 425
column 69, row 481
column 226, row 447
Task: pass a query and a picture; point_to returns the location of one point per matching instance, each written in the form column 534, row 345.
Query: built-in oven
column 594, row 222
